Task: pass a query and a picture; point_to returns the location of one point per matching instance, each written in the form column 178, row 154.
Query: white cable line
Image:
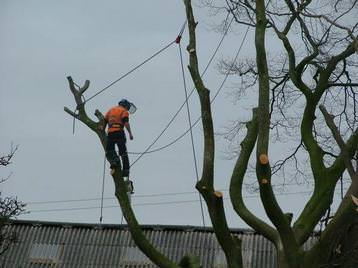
column 161, row 203
column 144, row 195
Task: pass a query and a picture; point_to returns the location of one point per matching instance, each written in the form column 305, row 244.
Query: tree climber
column 117, row 118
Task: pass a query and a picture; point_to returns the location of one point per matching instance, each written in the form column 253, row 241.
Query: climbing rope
column 177, row 41
column 187, row 96
column 140, row 64
column 147, row 150
column 191, row 131
column 102, row 196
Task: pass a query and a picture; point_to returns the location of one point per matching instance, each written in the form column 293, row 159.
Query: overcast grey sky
column 42, row 42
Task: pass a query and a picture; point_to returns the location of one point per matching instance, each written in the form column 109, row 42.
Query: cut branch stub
column 101, row 122
column 218, row 194
column 67, row 110
column 78, row 93
column 85, row 87
column 264, row 181
column 263, row 159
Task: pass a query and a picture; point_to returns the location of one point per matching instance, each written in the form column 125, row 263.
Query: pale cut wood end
column 263, row 159
column 218, row 194
column 264, row 181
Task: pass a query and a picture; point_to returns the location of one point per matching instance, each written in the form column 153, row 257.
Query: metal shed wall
column 83, row 245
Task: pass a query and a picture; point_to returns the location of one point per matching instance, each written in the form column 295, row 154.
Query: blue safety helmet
column 128, row 105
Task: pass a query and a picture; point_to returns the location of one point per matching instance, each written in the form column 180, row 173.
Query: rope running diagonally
column 198, row 120
column 177, row 40
column 186, row 100
column 147, row 150
column 138, row 66
column 131, row 70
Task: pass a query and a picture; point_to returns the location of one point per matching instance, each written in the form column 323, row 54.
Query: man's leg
column 111, row 151
column 122, row 149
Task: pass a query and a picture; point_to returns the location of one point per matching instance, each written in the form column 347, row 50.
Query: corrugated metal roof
column 45, row 244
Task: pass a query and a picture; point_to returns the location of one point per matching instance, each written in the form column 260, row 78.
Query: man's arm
column 128, row 127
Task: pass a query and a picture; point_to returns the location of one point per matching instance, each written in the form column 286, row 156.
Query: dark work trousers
column 119, row 138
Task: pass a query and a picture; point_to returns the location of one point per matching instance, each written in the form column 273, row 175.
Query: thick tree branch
column 324, row 190
column 325, row 178
column 344, row 216
column 230, row 245
column 204, row 96
column 263, row 169
column 137, row 234
column 237, row 180
column 314, row 150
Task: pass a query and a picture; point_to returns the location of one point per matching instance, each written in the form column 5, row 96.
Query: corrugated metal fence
column 43, row 244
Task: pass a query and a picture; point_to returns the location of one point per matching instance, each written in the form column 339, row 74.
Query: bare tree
column 319, row 72
column 10, row 207
column 6, row 160
column 316, row 67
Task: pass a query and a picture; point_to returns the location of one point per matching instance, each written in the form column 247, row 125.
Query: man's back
column 116, row 118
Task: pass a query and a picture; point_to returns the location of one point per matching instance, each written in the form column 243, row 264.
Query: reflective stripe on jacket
column 116, row 117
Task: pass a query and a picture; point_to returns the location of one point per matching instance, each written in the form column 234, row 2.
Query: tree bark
column 214, row 200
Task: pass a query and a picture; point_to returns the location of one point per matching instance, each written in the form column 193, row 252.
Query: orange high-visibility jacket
column 116, row 117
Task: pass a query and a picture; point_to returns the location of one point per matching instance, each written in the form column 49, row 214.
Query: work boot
column 130, row 187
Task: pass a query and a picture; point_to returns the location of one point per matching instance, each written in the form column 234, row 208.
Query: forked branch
column 120, row 187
